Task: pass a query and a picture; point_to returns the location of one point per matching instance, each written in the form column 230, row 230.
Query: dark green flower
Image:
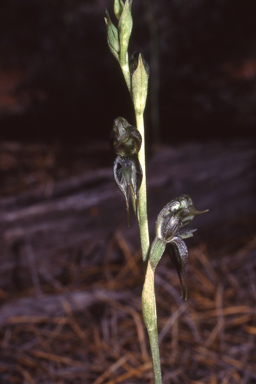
column 125, row 139
column 170, row 233
column 174, row 216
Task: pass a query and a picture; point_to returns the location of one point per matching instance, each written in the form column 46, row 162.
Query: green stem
column 124, row 64
column 143, row 217
column 153, row 338
column 150, row 318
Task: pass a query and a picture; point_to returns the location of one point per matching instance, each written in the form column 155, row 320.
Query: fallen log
column 41, row 308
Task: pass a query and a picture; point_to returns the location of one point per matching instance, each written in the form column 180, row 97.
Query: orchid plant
column 128, row 142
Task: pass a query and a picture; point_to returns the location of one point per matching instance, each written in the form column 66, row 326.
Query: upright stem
column 126, row 73
column 153, row 339
column 148, row 294
column 143, row 217
column 150, row 319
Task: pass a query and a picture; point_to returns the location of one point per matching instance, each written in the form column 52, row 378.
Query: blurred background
column 59, row 82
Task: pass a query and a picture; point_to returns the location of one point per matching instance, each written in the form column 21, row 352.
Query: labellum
column 126, row 142
column 128, row 173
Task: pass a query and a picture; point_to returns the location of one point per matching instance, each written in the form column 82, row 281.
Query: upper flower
column 125, row 139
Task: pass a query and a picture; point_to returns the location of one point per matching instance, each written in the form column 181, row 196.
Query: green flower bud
column 125, row 139
column 139, row 83
column 134, row 61
column 125, row 29
column 118, row 8
column 112, row 37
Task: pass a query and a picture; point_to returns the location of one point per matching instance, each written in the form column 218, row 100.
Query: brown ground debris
column 83, row 323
